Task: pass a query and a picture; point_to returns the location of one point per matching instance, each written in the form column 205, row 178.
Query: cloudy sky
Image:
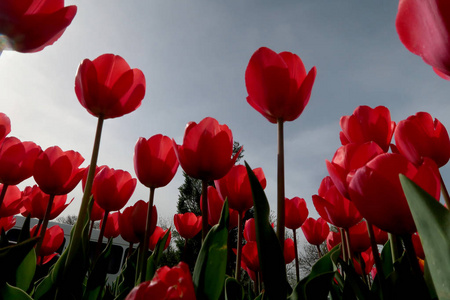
column 194, row 55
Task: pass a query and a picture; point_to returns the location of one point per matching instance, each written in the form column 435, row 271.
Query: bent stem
column 44, row 224
column 143, row 254
column 280, row 185
column 237, row 274
column 204, row 209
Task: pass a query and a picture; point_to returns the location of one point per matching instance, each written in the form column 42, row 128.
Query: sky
column 194, row 55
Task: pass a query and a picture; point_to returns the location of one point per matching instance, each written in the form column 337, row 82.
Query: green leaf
column 233, row 290
column 210, row 268
column 8, row 292
column 12, row 256
column 25, row 271
column 97, row 277
column 433, row 222
column 153, row 260
column 126, row 279
column 271, row 258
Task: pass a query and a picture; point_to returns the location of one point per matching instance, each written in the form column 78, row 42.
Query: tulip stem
column 349, row 247
column 280, row 185
column 394, row 247
column 3, row 193
column 376, row 256
column 144, row 249
column 444, row 192
column 204, row 209
column 44, row 224
column 239, row 248
column 101, row 234
column 343, row 245
column 297, row 267
column 319, row 253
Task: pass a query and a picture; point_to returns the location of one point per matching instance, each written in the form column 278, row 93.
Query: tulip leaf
column 153, row 260
column 433, row 222
column 233, row 290
column 25, row 271
column 12, row 256
column 8, row 292
column 97, row 277
column 210, row 268
column 271, row 256
column 126, row 279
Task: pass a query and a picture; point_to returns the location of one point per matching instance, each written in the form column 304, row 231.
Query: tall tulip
column 368, row 124
column 278, row 88
column 32, row 25
column 424, row 28
column 206, row 154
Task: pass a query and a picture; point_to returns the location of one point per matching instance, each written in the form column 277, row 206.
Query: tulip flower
column 108, row 88
column 419, row 136
column 423, row 28
column 215, row 204
column 278, row 88
column 315, row 231
column 126, row 229
column 206, row 154
column 347, row 160
column 112, row 226
column 188, row 224
column 333, row 239
column 368, row 124
column 359, row 237
column 6, row 223
column 418, row 246
column 289, row 251
column 35, row 203
column 32, row 25
column 12, row 201
column 250, row 256
column 5, row 126
column 168, row 283
column 52, row 241
column 378, row 195
column 250, row 230
column 139, row 219
column 333, row 207
column 367, row 260
column 381, row 236
column 156, row 236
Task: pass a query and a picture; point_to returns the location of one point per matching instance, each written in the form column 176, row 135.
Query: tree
column 69, row 219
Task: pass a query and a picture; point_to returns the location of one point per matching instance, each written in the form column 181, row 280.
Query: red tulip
column 17, row 160
column 252, row 274
column 58, row 172
column 188, row 224
column 35, row 203
column 424, row 29
column 419, row 136
column 250, row 230
column 168, row 283
column 359, row 237
column 107, row 87
column 126, row 229
column 369, row 261
column 235, row 186
column 12, row 203
column 113, row 188
column 289, row 251
column 96, row 212
column 277, row 84
column 157, row 235
column 207, row 150
column 215, row 204
column 5, row 126
column 53, row 239
column 333, row 207
column 377, row 193
column 112, row 225
column 368, row 124
column 296, row 212
column 250, row 256
column 155, row 162
column 6, row 223
column 333, row 239
column 315, row 231
column 417, row 244
column 381, row 236
column 139, row 218
column 30, row 26
column 347, row 160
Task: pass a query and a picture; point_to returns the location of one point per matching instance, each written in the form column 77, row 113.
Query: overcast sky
column 194, row 55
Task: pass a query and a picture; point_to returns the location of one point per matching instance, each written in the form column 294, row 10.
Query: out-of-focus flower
column 5, row 126
column 368, row 124
column 112, row 225
column 113, row 188
column 53, row 239
column 296, row 212
column 289, row 251
column 188, row 224
column 381, row 236
column 107, row 87
column 155, row 162
column 333, row 207
column 315, row 231
column 168, row 283
column 215, row 204
column 359, row 237
column 206, row 152
column 277, row 84
column 235, row 186
column 250, row 230
column 126, row 229
column 424, row 29
column 139, row 218
column 30, row 26
column 6, row 223
column 333, row 239
column 419, row 136
column 347, row 160
column 57, row 172
column 377, row 193
column 369, row 261
column 157, row 235
column 12, row 203
column 35, row 203
column 250, row 256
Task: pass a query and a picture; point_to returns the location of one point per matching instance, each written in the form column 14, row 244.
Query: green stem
column 444, row 192
column 144, row 249
column 101, row 234
column 343, row 245
column 44, row 224
column 297, row 267
column 237, row 274
column 349, row 246
column 280, row 185
column 376, row 256
column 204, row 209
column 394, row 247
